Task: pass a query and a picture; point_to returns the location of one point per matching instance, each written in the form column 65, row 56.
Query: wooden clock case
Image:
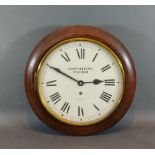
column 78, row 31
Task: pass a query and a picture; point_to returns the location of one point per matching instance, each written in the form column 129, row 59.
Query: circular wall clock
column 80, row 80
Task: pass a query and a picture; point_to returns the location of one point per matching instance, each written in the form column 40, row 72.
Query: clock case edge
column 89, row 32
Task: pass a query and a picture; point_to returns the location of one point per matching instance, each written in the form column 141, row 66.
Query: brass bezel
column 40, row 93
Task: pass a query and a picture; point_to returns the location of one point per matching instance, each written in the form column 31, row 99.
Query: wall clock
column 80, row 80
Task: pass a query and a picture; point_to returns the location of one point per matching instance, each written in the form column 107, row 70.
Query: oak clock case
column 80, row 80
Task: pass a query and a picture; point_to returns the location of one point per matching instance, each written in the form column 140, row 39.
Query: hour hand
column 95, row 81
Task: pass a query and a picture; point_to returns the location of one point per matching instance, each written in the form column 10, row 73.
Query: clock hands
column 96, row 82
column 80, row 82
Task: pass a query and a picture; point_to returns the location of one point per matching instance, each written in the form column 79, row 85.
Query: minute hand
column 59, row 71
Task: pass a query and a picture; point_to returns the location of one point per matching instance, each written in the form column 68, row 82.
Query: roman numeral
column 105, row 68
column 65, row 57
column 96, row 107
column 109, row 82
column 65, row 107
column 105, row 96
column 80, row 111
column 51, row 83
column 95, row 57
column 81, row 53
column 55, row 97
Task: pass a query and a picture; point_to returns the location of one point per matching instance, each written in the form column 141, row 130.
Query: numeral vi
column 80, row 111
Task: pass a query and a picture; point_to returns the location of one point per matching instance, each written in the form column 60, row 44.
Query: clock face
column 80, row 81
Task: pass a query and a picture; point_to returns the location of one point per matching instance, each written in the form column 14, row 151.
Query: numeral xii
column 81, row 53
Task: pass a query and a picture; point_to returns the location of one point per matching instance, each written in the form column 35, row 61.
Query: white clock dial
column 80, row 82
